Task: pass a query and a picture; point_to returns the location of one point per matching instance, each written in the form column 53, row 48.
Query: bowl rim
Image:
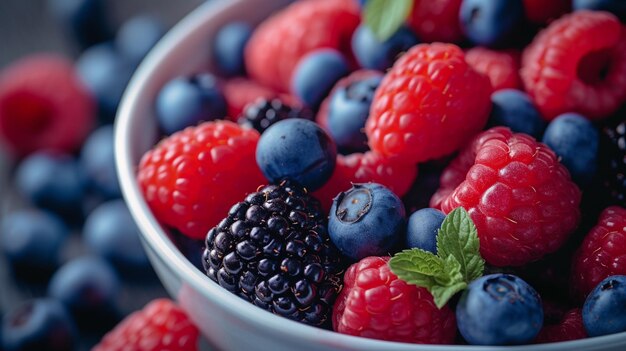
column 155, row 237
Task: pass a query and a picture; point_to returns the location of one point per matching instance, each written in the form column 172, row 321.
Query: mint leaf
column 444, row 292
column 418, row 267
column 384, row 17
column 458, row 237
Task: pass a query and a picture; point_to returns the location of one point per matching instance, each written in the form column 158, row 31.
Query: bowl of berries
column 377, row 175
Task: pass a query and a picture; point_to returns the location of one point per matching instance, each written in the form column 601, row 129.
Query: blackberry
column 613, row 160
column 261, row 114
column 274, row 251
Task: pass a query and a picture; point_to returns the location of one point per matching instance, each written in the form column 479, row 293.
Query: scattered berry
column 601, row 253
column 97, row 160
column 604, row 311
column 261, row 114
column 375, row 304
column 366, row 220
column 239, row 92
column 43, row 105
column 191, row 179
column 570, row 327
column 577, row 65
column 138, row 35
column 86, row 21
column 371, row 53
column 613, row 161
column 316, row 74
column 514, row 109
column 540, row 11
column 436, row 20
column 297, row 150
column 492, row 304
column 422, row 229
column 411, row 116
column 490, row 23
column 501, row 67
column 185, row 102
column 273, row 250
column 228, row 48
column 517, row 193
column 160, row 325
column 575, row 141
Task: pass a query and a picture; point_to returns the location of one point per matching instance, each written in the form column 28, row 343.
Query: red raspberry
column 429, row 104
column 161, row 325
column 279, row 42
column 577, row 64
column 437, row 20
column 517, row 193
column 501, row 67
column 569, row 328
column 375, row 304
column 191, row 179
column 541, row 11
column 43, row 105
column 602, row 253
column 240, row 92
column 364, row 168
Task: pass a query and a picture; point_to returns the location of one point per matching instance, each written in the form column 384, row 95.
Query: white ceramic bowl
column 229, row 322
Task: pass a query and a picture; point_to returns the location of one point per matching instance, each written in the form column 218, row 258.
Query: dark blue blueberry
column 348, row 110
column 499, row 309
column 33, row 238
column 138, row 35
column 575, row 140
column 228, row 47
column 52, row 181
column 297, row 150
column 421, row 232
column 105, row 73
column 488, row 22
column 98, row 162
column 316, row 74
column 184, row 102
column 513, row 108
column 604, row 311
column 38, row 325
column 111, row 232
column 85, row 21
column 371, row 53
column 367, row 220
column 617, row 7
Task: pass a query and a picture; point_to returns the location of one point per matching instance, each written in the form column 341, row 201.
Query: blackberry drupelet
column 274, row 251
column 613, row 161
column 261, row 114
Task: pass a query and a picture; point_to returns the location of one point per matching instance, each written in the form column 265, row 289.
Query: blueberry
column 604, row 311
column 617, row 7
column 488, row 22
column 97, row 160
column 111, row 232
column 422, row 229
column 315, row 75
column 228, row 48
column 371, row 53
column 51, row 180
column 86, row 21
column 105, row 73
column 40, row 324
column 297, row 150
column 33, row 238
column 367, row 220
column 575, row 140
column 184, row 102
column 348, row 110
column 514, row 109
column 138, row 35
column 499, row 309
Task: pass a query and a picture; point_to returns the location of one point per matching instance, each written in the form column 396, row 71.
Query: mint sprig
column 456, row 264
column 384, row 17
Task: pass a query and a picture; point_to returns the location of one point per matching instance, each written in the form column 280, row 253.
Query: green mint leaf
column 443, row 293
column 418, row 267
column 384, row 17
column 458, row 237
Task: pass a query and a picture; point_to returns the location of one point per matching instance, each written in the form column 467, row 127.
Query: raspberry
column 436, row 20
column 500, row 66
column 43, row 105
column 577, row 64
column 541, row 11
column 570, row 327
column 279, row 42
column 364, row 168
column 375, row 304
column 191, row 179
column 161, row 325
column 429, row 104
column 261, row 114
column 240, row 92
column 602, row 253
column 520, row 197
